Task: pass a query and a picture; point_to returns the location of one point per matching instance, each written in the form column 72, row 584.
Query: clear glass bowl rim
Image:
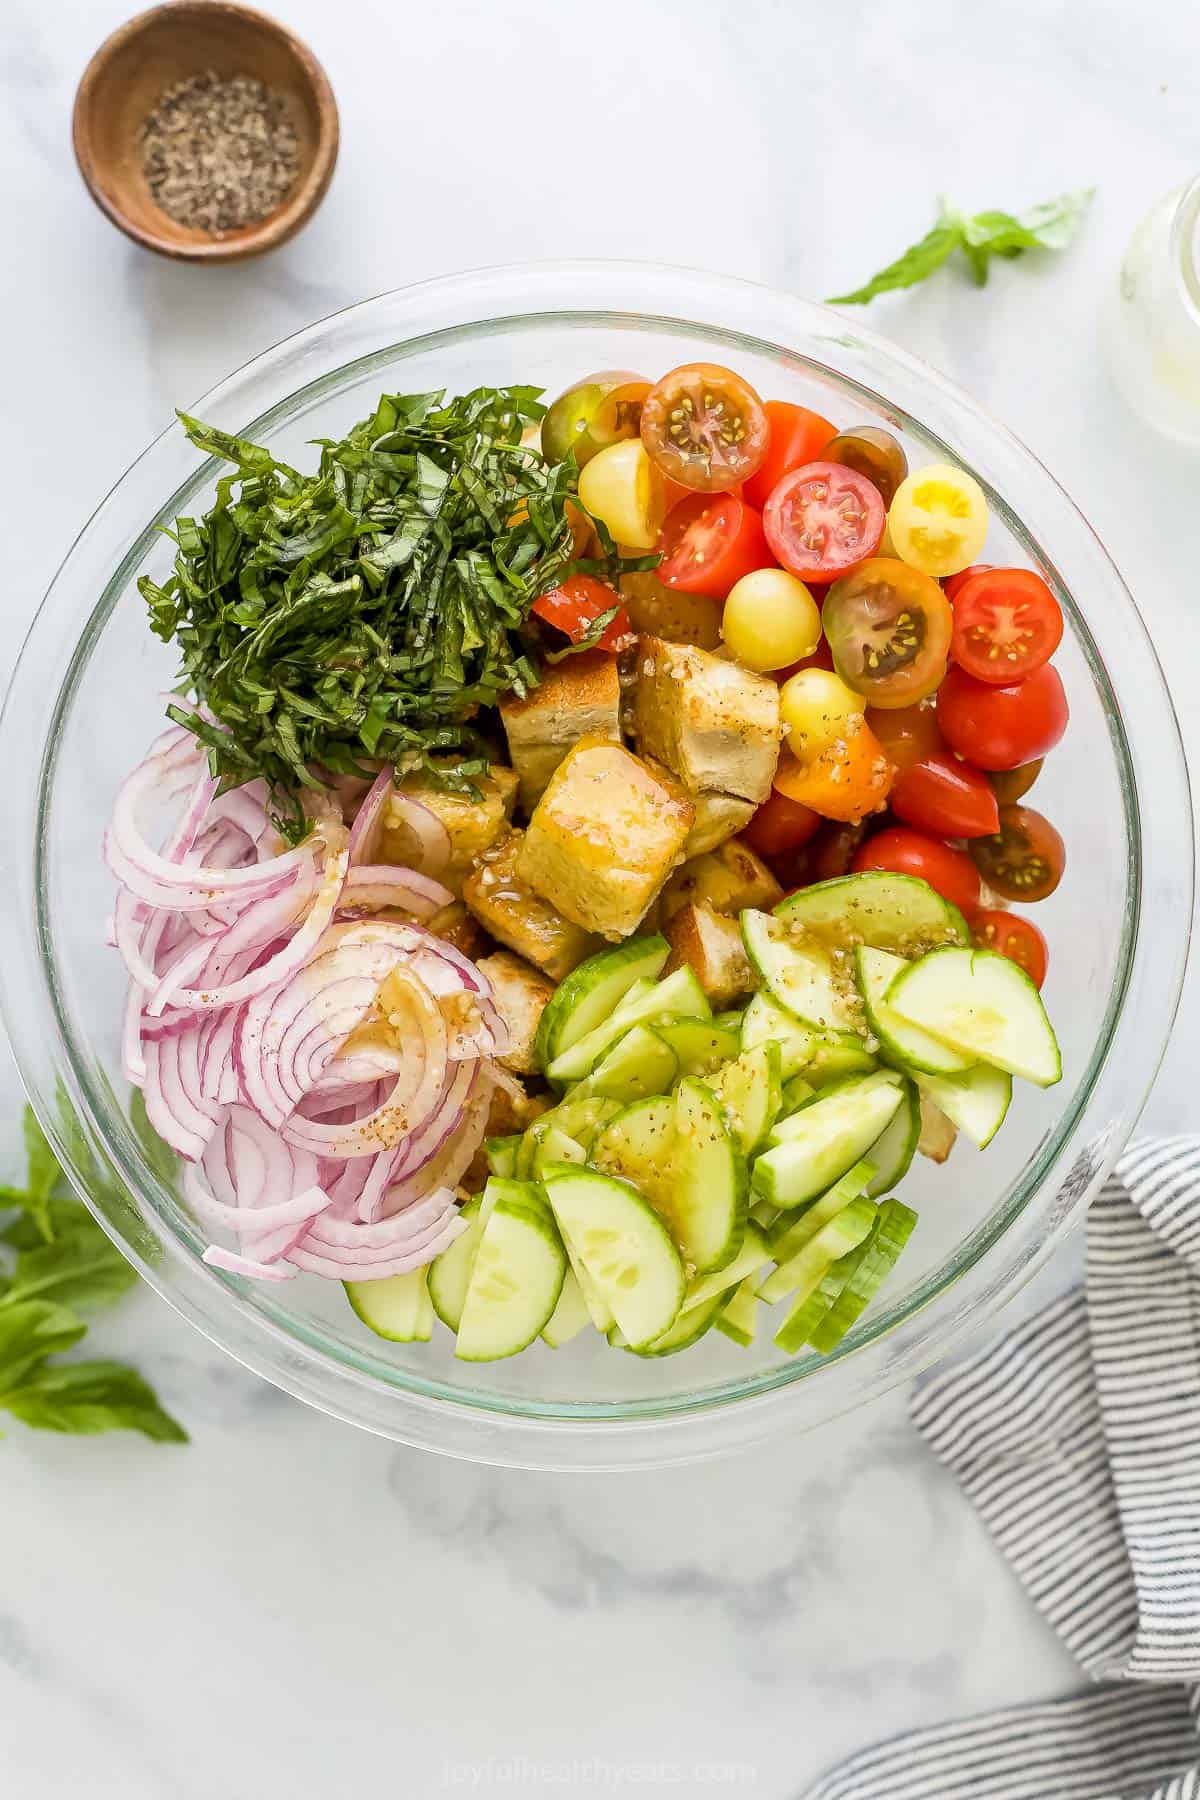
column 1052, row 1190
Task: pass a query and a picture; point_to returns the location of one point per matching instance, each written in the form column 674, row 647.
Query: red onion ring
column 433, row 840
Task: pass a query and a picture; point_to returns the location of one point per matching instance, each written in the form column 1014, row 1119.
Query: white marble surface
column 291, row 1609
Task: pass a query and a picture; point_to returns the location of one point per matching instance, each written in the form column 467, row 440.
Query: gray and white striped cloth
column 1077, row 1437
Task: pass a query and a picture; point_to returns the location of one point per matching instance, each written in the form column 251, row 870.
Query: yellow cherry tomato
column 938, row 520
column 621, row 487
column 770, row 620
column 816, row 707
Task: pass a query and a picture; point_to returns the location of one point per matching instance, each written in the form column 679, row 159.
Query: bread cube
column 580, row 697
column 515, row 916
column 521, row 994
column 711, row 945
column 714, row 724
column 728, row 879
column 473, row 825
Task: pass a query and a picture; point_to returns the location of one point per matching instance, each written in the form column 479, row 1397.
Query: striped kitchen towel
column 1077, row 1437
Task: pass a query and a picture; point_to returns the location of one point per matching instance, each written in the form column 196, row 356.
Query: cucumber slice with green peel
column 748, row 1261
column 686, row 1331
column 516, row 1278
column 570, row 1316
column 751, row 1092
column 397, row 1308
column 623, row 1245
column 788, row 1241
column 796, row 1093
column 502, row 1153
column 808, row 977
column 738, row 1318
column 837, row 1055
column 802, row 1275
column 733, row 1018
column 638, row 1064
column 805, row 1317
column 700, row 1045
column 894, row 1148
column 900, row 1043
column 631, row 999
column 976, row 1102
column 450, row 1273
column 983, row 1005
column 763, row 1214
column 638, row 1145
column 710, row 1189
column 766, row 1022
column 581, row 1115
column 554, row 1145
column 593, row 991
column 678, row 996
column 815, row 1147
column 864, row 1272
column 886, row 911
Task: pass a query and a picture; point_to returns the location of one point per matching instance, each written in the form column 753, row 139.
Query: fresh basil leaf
column 81, row 1269
column 43, row 1174
column 89, row 1397
column 25, row 1232
column 917, row 263
column 29, row 1333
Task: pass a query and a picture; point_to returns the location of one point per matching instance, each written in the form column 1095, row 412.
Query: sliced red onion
column 298, row 1211
column 368, row 823
column 447, row 1165
column 336, row 1265
column 432, row 839
column 168, row 1107
column 373, row 887
column 236, row 1264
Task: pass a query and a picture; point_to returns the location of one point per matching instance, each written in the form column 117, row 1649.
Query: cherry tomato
column 1011, row 785
column 846, row 780
column 874, row 453
column 946, row 796
column 1024, row 859
column 705, row 427
column 833, row 849
column 939, row 519
column 1002, row 727
column 709, row 542
column 889, row 627
column 581, row 599
column 952, row 583
column 951, row 872
column 909, row 734
column 780, row 825
column 816, row 708
column 623, row 488
column 822, row 519
column 1007, row 623
column 1018, row 939
column 602, row 409
column 821, row 658
column 770, row 620
column 797, row 436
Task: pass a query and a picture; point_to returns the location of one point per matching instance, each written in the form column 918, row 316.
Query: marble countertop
column 289, row 1608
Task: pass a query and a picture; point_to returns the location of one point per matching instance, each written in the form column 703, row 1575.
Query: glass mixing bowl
column 87, row 698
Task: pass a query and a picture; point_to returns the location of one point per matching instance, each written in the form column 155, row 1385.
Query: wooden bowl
column 168, row 44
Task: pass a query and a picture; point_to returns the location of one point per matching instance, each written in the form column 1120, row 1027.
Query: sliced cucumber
column 976, row 1102
column 640, row 987
column 982, row 1005
column 806, row 976
column 450, row 1273
column 766, row 1022
column 763, row 1214
column 593, row 991
column 701, row 1045
column 570, row 1316
column 554, row 1145
column 738, row 1318
column 863, row 1273
column 751, row 1092
column 638, row 1064
column 679, row 996
column 501, row 1153
column 516, row 1278
column 806, row 1316
column 687, row 1330
column 804, row 1273
column 710, row 1190
column 894, row 1148
column 796, row 1093
column 638, row 1145
column 836, row 1055
column 582, row 1114
column 748, row 1261
column 901, row 1043
column 732, row 1018
column 624, row 1246
column 889, row 912
column 397, row 1308
column 815, row 1147
column 790, row 1237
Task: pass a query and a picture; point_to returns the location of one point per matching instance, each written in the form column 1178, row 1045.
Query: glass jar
column 1152, row 324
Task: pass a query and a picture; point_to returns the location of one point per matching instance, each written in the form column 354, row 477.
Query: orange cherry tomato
column 780, row 825
column 952, row 583
column 905, row 852
column 847, row 780
column 709, row 542
column 946, row 796
column 822, row 519
column 797, row 436
column 1018, row 939
column 1024, row 858
column 704, row 427
column 1002, row 727
column 909, row 734
column 580, row 600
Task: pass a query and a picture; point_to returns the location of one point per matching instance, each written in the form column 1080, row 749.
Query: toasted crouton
column 718, row 817
column 711, row 945
column 580, row 697
column 509, row 909
column 521, row 994
column 937, row 1133
column 656, row 610
column 456, row 926
column 728, row 879
column 473, row 825
column 714, row 724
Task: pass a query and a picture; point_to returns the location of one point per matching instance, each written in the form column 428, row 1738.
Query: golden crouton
column 656, row 610
column 520, row 993
column 711, row 945
column 509, row 909
column 473, row 825
column 718, row 817
column 580, row 697
column 714, row 724
column 604, row 837
column 728, row 879
column 937, row 1133
column 456, row 926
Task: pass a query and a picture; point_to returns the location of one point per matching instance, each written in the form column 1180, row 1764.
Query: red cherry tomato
column 1025, row 857
column 1002, row 727
column 1007, row 623
column 828, row 853
column 704, row 427
column 952, row 583
column 709, row 542
column 797, row 436
column 952, row 873
column 581, row 599
column 909, row 734
column 1018, row 939
column 780, row 825
column 822, row 519
column 946, row 796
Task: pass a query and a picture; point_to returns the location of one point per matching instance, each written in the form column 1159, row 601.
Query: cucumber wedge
column 753, row 1254
column 516, row 1278
column 570, row 1316
column 687, row 1330
column 905, row 1045
column 450, row 1273
column 836, row 1055
column 751, row 1092
column 679, row 996
column 638, row 1145
column 502, row 1153
column 803, row 974
column 701, row 1045
column 982, row 1005
column 738, row 1318
column 638, row 1064
column 864, row 1272
column 894, row 1148
column 397, row 1308
column 790, row 1237
column 815, row 1147
column 796, row 1093
column 803, row 1274
column 554, row 1145
column 886, row 911
column 805, row 1317
column 766, row 1022
column 640, row 987
column 710, row 1191
column 593, row 991
column 976, row 1102
column 623, row 1245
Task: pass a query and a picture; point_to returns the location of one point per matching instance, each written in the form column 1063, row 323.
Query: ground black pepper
column 219, row 152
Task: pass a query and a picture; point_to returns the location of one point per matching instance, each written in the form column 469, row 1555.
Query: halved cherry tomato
column 1011, row 785
column 709, row 542
column 953, row 583
column 822, row 519
column 848, row 779
column 1007, row 623
column 905, row 852
column 705, row 427
column 1018, row 939
column 889, row 627
column 1024, row 859
column 780, row 825
column 1002, row 727
column 909, row 734
column 580, row 600
column 598, row 411
column 875, row 453
column 946, row 796
column 797, row 436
